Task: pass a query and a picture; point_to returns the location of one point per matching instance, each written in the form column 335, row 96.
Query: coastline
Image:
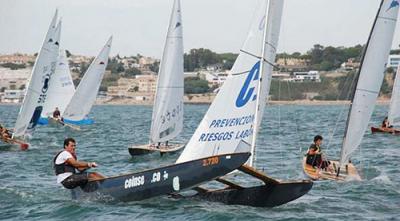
column 129, row 102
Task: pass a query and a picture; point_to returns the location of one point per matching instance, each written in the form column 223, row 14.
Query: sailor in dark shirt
column 56, row 113
column 314, row 154
column 386, row 124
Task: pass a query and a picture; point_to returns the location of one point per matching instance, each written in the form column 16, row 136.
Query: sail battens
column 251, row 54
column 369, row 91
column 388, row 18
column 272, row 45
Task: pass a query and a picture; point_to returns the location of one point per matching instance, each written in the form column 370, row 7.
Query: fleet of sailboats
column 226, row 138
column 167, row 117
column 365, row 94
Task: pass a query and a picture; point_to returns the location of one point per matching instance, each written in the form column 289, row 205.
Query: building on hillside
column 17, row 58
column 216, row 78
column 280, row 75
column 13, row 96
column 350, row 65
column 293, row 64
column 393, row 61
column 14, row 79
column 310, row 76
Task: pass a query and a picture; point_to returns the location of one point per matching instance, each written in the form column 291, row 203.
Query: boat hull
column 385, row 130
column 58, row 123
column 15, row 142
column 146, row 149
column 161, row 181
column 268, row 195
column 348, row 173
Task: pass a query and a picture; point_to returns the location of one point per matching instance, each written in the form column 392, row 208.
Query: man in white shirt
column 66, row 164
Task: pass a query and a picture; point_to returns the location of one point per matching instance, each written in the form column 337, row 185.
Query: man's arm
column 80, row 165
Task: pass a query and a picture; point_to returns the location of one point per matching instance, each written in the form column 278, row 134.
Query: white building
column 13, row 79
column 306, row 76
column 216, row 78
column 393, row 61
column 13, row 96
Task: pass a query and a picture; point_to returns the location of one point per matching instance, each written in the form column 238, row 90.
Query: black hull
column 269, row 195
column 161, row 181
column 137, row 152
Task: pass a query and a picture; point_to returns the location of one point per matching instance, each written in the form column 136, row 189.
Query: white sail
column 167, row 118
column 370, row 77
column 394, row 109
column 37, row 88
column 86, row 92
column 61, row 87
column 228, row 123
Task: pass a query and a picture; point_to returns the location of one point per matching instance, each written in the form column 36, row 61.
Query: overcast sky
column 139, row 26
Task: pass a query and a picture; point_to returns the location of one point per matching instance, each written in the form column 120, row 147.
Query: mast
column 256, row 115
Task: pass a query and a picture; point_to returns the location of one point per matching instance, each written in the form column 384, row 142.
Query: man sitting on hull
column 314, row 154
column 66, row 166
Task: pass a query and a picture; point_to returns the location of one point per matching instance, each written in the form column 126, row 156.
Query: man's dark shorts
column 75, row 180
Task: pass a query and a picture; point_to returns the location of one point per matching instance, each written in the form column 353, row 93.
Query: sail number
column 210, row 161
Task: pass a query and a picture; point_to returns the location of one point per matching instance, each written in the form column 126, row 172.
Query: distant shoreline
column 130, row 102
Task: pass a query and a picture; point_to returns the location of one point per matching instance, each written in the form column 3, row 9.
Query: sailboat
column 368, row 83
column 394, row 109
column 61, row 90
column 37, row 87
column 167, row 117
column 81, row 103
column 232, row 121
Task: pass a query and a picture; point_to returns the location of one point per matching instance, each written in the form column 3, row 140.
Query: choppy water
column 28, row 189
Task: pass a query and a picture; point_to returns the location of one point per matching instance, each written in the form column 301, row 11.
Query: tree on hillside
column 195, row 85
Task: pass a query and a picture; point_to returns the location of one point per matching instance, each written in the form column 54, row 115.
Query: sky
column 139, row 26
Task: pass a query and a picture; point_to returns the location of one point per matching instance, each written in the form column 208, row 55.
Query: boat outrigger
column 368, row 82
column 161, row 181
column 167, row 117
column 232, row 121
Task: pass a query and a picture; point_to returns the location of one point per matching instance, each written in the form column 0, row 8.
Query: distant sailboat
column 368, row 83
column 81, row 103
column 394, row 109
column 60, row 91
column 37, row 87
column 167, row 118
column 232, row 121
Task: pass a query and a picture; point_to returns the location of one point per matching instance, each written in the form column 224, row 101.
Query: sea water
column 28, row 189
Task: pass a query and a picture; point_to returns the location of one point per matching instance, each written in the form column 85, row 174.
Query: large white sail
column 86, row 92
column 61, row 87
column 167, row 118
column 394, row 109
column 37, row 88
column 370, row 77
column 227, row 126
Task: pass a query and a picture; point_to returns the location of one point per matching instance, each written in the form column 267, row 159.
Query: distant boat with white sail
column 61, row 90
column 81, row 103
column 167, row 117
column 37, row 87
column 393, row 118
